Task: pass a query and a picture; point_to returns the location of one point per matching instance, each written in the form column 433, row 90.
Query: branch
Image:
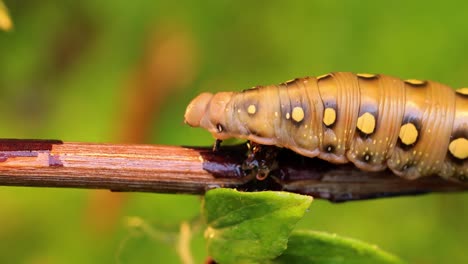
column 170, row 169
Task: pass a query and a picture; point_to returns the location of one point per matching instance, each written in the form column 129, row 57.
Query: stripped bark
column 172, row 169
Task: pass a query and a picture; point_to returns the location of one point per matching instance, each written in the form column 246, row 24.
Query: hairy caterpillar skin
column 415, row 128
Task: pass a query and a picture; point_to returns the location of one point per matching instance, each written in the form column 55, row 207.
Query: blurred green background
column 123, row 71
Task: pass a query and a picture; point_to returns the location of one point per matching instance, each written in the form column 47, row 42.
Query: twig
column 170, row 169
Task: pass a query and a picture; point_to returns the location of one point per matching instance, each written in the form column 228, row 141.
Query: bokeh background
column 123, row 71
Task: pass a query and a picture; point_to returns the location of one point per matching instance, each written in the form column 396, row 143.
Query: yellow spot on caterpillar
column 408, row 134
column 276, row 114
column 252, row 109
column 298, row 114
column 288, row 115
column 459, row 148
column 366, row 123
column 463, row 91
column 322, row 76
column 415, row 82
column 366, row 75
column 329, row 116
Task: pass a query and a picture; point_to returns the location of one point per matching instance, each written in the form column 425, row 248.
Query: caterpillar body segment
column 378, row 121
column 415, row 128
column 456, row 160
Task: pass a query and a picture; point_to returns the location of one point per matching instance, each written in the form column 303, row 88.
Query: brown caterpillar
column 415, row 128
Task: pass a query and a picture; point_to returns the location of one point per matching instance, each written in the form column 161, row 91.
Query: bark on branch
column 171, row 169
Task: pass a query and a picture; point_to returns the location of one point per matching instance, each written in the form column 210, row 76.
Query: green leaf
column 323, row 248
column 250, row 227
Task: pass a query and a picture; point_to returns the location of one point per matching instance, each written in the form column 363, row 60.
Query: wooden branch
column 170, row 169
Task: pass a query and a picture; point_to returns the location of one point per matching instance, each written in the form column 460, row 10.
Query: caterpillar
column 415, row 128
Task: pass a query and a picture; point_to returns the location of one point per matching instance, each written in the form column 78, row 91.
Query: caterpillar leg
column 261, row 160
column 216, row 145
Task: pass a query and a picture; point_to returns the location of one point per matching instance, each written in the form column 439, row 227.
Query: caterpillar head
column 208, row 111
